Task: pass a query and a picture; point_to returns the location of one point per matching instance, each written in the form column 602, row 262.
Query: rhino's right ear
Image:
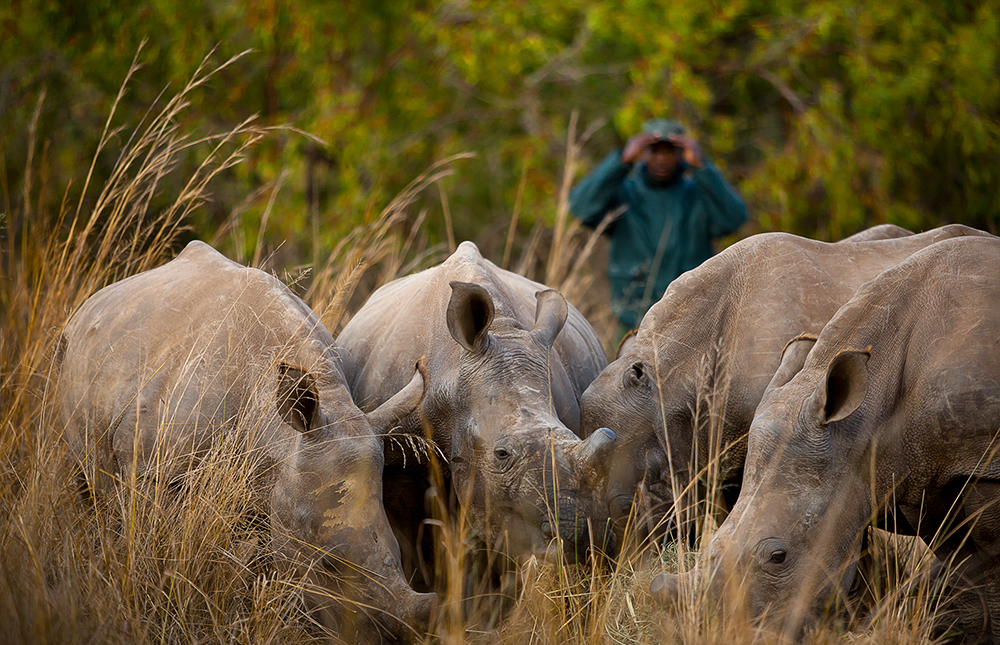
column 297, row 398
column 387, row 416
column 844, row 388
column 470, row 313
column 626, row 343
column 793, row 357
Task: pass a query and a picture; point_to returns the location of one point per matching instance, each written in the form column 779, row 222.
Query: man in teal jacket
column 670, row 217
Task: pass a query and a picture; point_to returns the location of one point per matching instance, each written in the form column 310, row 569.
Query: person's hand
column 691, row 148
column 636, row 145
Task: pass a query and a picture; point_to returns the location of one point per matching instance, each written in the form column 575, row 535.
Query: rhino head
column 652, row 415
column 327, row 514
column 790, row 547
column 527, row 479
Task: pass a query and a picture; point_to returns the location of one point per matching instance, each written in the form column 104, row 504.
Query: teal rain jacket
column 679, row 219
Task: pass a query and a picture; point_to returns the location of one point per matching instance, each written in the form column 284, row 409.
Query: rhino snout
column 423, row 607
column 619, row 507
column 407, row 621
column 579, row 536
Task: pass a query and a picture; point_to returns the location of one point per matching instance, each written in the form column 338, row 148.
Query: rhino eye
column 777, row 557
column 504, row 452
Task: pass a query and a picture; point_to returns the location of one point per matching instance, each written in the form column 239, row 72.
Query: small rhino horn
column 595, row 449
column 665, row 589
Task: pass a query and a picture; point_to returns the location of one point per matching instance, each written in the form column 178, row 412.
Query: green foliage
column 828, row 116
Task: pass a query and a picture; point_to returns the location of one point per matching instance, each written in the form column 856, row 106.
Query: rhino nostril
column 620, row 506
column 547, row 529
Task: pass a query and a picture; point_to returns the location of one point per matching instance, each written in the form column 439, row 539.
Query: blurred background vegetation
column 828, row 116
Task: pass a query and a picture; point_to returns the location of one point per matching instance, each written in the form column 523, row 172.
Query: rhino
column 682, row 396
column 155, row 369
column 892, row 416
column 507, row 359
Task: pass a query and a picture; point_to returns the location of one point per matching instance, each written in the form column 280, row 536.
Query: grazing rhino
column 156, row 368
column 507, row 360
column 682, row 396
column 893, row 416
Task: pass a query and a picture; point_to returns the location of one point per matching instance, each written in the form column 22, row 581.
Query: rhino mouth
column 577, row 540
column 368, row 615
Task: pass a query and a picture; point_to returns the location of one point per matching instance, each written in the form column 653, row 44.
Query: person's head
column 663, row 159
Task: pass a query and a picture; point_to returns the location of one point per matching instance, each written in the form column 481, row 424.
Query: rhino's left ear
column 388, row 415
column 470, row 313
column 297, row 398
column 845, row 386
column 550, row 316
column 793, row 357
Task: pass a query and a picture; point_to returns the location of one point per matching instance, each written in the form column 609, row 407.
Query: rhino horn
column 665, row 589
column 669, row 589
column 470, row 313
column 595, row 449
column 388, row 415
column 551, row 311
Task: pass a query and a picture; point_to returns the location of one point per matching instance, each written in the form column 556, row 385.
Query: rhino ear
column 470, row 312
column 637, row 376
column 845, row 386
column 626, row 343
column 297, row 398
column 387, row 416
column 793, row 357
column 550, row 316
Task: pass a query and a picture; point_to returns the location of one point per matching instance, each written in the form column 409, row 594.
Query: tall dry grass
column 166, row 563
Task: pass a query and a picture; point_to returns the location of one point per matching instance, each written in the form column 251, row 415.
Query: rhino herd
column 796, row 390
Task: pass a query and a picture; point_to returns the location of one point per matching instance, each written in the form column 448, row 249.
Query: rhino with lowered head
column 507, row 359
column 893, row 415
column 156, row 368
column 682, row 396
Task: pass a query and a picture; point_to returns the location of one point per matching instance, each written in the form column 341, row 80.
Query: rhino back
column 934, row 373
column 878, row 232
column 191, row 343
column 742, row 306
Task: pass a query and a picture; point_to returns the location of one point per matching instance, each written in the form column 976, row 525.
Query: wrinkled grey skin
column 685, row 390
column 172, row 359
column 894, row 414
column 507, row 360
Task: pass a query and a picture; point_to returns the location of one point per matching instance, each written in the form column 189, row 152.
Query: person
column 675, row 203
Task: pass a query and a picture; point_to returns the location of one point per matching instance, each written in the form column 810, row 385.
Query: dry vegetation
column 180, row 564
